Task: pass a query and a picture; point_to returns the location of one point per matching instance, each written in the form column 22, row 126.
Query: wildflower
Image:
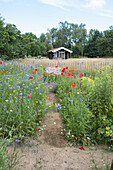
column 6, row 100
column 49, row 106
column 74, row 77
column 0, row 62
column 33, row 72
column 10, row 110
column 36, row 101
column 43, row 74
column 79, row 71
column 38, row 128
column 31, row 66
column 107, row 128
column 52, row 149
column 63, row 70
column 68, row 91
column 17, row 140
column 36, row 70
column 62, row 73
column 104, row 119
column 67, row 68
column 81, row 75
column 1, row 96
column 31, row 77
column 82, row 148
column 29, row 96
column 1, row 71
column 56, row 66
column 73, row 85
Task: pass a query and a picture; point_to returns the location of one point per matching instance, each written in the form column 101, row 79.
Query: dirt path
column 52, row 152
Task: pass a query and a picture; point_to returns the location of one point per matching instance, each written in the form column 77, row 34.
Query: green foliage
column 87, row 108
column 8, row 160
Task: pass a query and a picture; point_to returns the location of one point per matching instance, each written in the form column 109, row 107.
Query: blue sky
column 37, row 16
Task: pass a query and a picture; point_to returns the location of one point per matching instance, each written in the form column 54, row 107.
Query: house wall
column 67, row 54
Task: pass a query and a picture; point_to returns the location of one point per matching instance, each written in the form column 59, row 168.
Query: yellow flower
column 107, row 133
column 104, row 119
column 107, row 128
column 10, row 94
column 36, row 101
column 49, row 106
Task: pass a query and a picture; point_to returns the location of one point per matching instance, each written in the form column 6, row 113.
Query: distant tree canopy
column 13, row 44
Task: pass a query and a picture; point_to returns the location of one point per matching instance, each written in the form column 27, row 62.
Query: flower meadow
column 85, row 103
column 22, row 100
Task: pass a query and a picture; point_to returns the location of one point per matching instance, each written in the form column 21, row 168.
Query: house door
column 62, row 55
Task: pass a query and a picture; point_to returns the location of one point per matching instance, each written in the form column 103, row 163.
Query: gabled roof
column 60, row 48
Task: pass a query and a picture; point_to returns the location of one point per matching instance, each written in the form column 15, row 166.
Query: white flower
column 77, row 92
column 54, row 123
column 6, row 100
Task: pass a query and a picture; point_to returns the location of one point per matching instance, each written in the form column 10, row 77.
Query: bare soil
column 50, row 151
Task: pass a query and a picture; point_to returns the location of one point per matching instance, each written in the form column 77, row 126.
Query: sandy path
column 52, row 152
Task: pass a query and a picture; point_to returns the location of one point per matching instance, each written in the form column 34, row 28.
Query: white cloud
column 95, row 3
column 106, row 13
column 56, row 3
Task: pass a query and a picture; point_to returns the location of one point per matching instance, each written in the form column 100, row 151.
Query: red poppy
column 52, row 149
column 82, row 148
column 43, row 74
column 69, row 71
column 79, row 71
column 67, row 68
column 38, row 128
column 31, row 66
column 63, row 70
column 62, row 73
column 73, row 70
column 98, row 132
column 33, row 72
column 81, row 75
column 31, row 77
column 74, row 77
column 73, row 85
column 36, row 70
column 81, row 79
column 30, row 96
column 56, row 66
column 69, row 75
column 1, row 71
column 68, row 91
column 0, row 62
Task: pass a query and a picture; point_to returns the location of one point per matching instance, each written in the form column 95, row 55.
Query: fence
column 83, row 66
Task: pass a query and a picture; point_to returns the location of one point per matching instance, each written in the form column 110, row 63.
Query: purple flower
column 17, row 140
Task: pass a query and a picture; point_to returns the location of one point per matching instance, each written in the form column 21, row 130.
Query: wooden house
column 59, row 53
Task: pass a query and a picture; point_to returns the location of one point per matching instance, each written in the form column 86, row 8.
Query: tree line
column 14, row 44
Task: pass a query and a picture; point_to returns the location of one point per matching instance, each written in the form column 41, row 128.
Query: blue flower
column 45, row 83
column 1, row 82
column 1, row 96
column 17, row 140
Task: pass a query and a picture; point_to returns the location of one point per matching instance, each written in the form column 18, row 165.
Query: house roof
column 60, row 48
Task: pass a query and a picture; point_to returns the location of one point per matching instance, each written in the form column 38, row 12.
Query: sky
column 37, row 16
